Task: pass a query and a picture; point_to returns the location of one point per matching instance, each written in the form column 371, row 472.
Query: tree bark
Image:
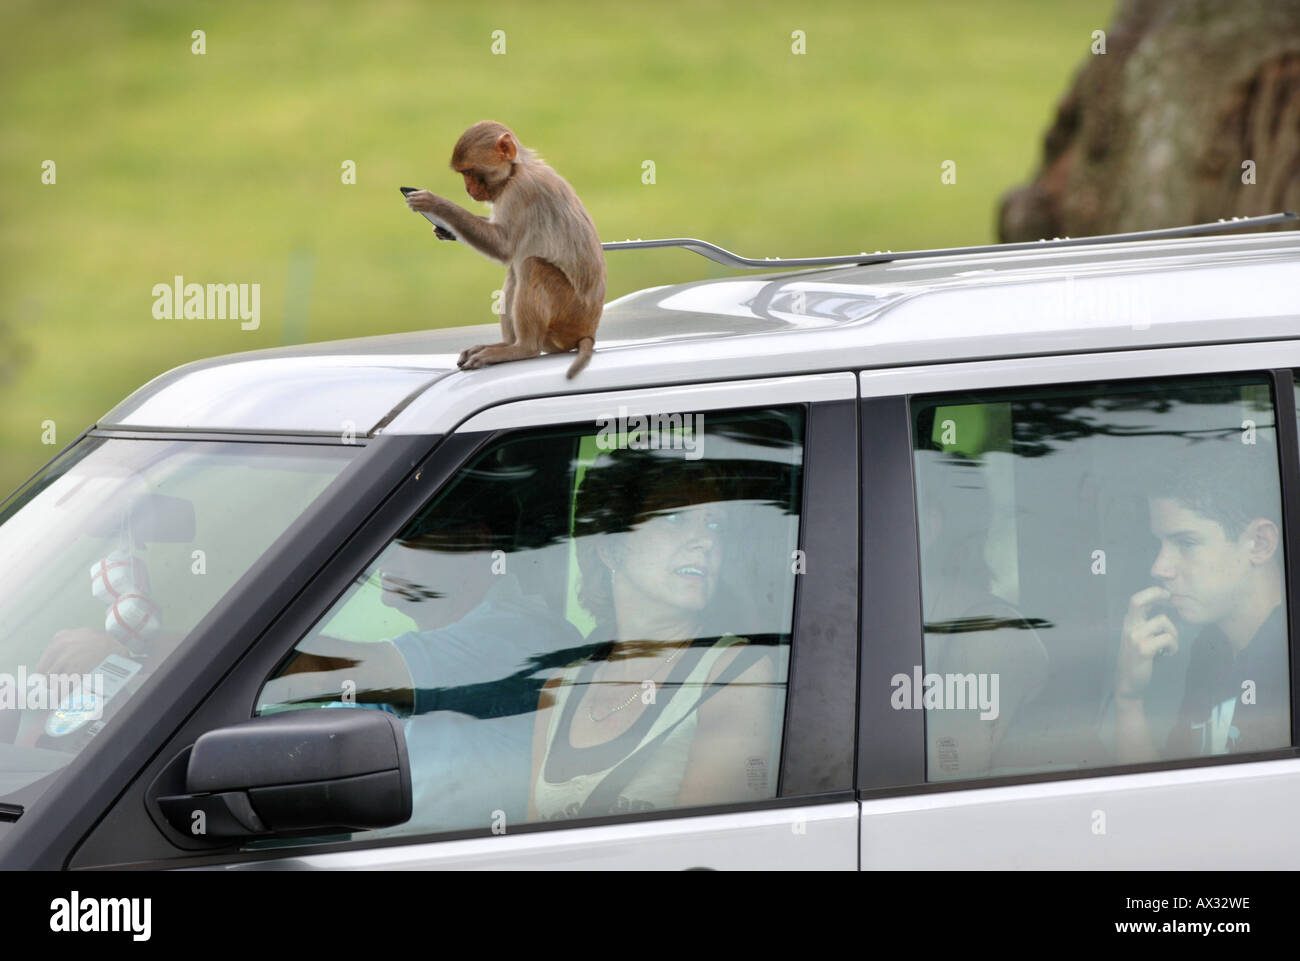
column 1191, row 102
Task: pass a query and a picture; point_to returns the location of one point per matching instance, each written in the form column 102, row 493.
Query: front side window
column 109, row 559
column 582, row 623
column 1102, row 576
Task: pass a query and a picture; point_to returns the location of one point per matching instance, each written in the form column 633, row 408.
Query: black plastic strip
column 1288, row 449
column 817, row 749
column 891, row 744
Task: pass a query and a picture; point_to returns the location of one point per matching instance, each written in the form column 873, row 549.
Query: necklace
column 635, row 694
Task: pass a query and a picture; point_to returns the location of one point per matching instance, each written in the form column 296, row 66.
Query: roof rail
column 728, row 259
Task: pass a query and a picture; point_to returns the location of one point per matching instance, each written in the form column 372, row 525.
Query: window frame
column 893, row 763
column 821, row 681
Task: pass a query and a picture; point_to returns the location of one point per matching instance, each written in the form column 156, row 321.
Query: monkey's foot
column 498, row 354
column 469, row 352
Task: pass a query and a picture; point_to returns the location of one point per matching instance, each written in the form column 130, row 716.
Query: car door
column 1081, row 656
column 678, row 567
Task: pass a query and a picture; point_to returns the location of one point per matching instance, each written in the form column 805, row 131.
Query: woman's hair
column 619, row 491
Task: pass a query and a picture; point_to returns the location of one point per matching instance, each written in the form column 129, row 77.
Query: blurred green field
column 226, row 167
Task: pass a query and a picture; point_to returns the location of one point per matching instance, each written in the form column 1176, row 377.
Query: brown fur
column 555, row 282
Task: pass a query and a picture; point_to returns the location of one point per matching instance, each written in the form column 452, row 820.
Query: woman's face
column 672, row 560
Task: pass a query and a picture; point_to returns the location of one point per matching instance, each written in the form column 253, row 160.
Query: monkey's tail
column 586, row 347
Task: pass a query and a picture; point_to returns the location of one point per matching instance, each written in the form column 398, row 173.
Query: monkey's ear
column 507, row 147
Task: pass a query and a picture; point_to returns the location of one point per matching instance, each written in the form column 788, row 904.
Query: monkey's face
column 484, row 183
column 484, row 162
column 474, row 184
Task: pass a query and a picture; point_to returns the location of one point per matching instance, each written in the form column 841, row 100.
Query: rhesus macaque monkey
column 555, row 281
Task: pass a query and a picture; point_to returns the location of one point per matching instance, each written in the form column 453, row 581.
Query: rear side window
column 582, row 623
column 1102, row 576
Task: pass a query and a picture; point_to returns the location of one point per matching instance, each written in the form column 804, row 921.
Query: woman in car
column 671, row 710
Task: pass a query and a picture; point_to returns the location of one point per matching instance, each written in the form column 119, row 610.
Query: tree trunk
column 1191, row 114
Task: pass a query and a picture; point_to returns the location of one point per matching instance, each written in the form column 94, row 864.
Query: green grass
column 226, row 167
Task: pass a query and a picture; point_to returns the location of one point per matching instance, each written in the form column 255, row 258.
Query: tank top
column 569, row 774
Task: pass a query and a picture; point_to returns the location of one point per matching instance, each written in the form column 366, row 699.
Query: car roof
column 936, row 309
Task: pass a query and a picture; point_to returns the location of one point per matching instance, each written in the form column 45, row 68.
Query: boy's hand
column 1142, row 638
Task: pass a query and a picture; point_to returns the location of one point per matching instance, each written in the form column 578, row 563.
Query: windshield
column 108, row 560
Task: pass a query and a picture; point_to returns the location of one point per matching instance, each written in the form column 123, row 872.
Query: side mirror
column 324, row 771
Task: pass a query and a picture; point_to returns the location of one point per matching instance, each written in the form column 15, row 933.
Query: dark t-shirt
column 1220, row 713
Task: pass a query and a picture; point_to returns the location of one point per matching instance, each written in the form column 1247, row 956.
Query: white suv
column 973, row 559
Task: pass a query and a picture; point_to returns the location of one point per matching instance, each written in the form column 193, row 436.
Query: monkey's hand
column 474, row 231
column 423, row 201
